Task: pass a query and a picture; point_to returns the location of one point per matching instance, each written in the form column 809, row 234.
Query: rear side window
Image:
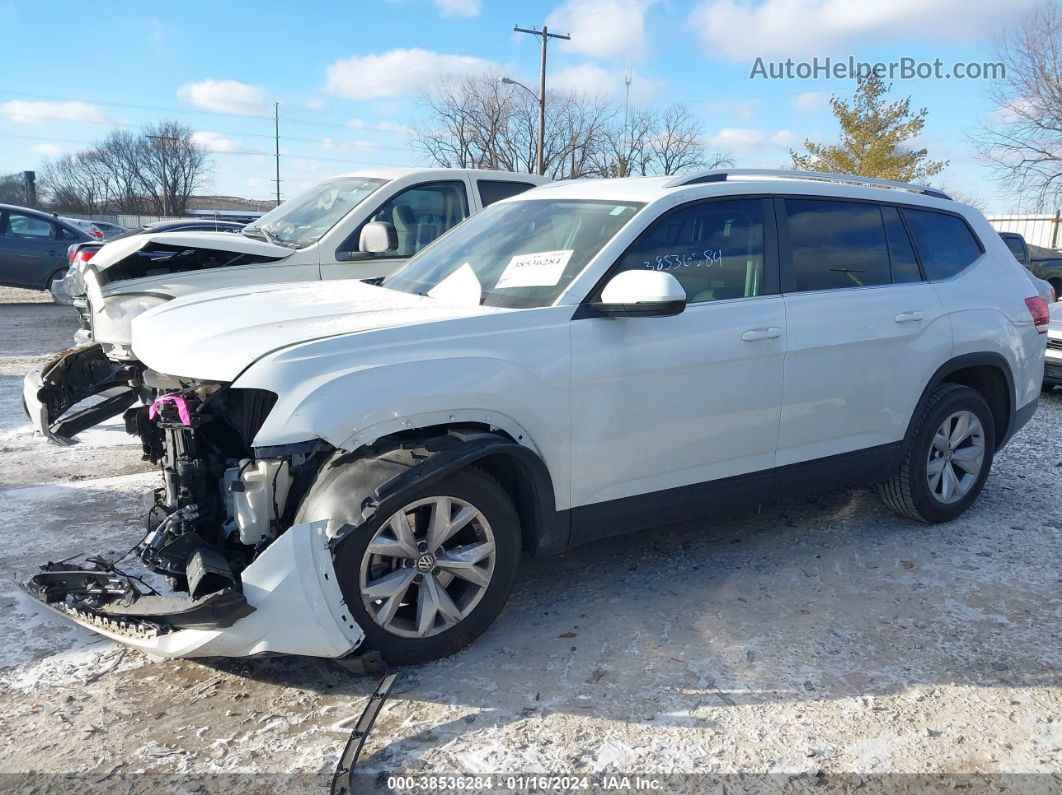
column 491, row 190
column 944, row 242
column 836, row 244
column 904, row 264
column 1015, row 246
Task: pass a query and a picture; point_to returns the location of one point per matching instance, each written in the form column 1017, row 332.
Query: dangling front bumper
column 68, row 378
column 288, row 603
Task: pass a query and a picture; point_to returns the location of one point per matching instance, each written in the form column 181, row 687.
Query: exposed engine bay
column 218, row 513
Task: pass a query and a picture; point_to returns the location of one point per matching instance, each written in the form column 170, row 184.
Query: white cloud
column 746, row 140
column 225, row 96
column 314, row 103
column 396, row 73
column 809, row 102
column 357, row 124
column 214, row 142
column 459, row 8
column 391, row 126
column 590, row 78
column 602, row 28
column 48, row 150
column 805, row 28
column 24, row 112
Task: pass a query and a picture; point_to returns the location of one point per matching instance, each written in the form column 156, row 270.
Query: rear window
column 836, row 244
column 1015, row 246
column 945, row 243
column 491, row 190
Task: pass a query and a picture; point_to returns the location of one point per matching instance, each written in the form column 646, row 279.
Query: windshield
column 302, row 221
column 517, row 254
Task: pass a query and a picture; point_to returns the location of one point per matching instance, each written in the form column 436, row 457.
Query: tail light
column 82, row 255
column 1040, row 314
column 70, row 253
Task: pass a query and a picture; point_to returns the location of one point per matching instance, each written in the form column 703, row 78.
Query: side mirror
column 641, row 293
column 378, row 237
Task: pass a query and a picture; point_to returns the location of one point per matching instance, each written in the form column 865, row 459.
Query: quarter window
column 836, row 244
column 714, row 249
column 944, row 242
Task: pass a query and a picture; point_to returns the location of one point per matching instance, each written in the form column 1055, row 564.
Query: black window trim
column 352, row 238
column 977, row 240
column 788, row 277
column 770, row 251
column 910, row 242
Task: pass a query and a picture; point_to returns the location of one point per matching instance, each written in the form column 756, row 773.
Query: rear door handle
column 909, row 317
column 771, row 333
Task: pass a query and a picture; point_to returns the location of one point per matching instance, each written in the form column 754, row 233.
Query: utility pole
column 626, row 123
column 276, row 127
column 545, row 36
column 162, row 159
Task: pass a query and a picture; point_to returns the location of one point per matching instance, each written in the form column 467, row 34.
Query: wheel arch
column 990, row 375
column 357, row 485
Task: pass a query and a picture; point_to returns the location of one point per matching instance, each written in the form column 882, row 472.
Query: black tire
column 484, row 493
column 907, row 492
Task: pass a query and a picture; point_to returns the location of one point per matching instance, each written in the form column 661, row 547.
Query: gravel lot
column 815, row 637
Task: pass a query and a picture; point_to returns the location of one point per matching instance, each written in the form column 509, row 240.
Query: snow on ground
column 821, row 635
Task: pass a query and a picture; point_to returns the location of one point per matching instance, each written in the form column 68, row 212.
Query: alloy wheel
column 427, row 567
column 956, row 457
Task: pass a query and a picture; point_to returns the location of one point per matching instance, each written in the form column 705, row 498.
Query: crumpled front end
column 221, row 571
column 72, row 377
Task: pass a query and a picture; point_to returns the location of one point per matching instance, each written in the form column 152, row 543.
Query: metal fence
column 1038, row 230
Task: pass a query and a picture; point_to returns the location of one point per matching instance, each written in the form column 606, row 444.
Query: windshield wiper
column 262, row 233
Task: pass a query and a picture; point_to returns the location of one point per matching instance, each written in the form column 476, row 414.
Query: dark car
column 33, row 247
column 1043, row 263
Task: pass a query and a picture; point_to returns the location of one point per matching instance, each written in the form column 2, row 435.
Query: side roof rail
column 723, row 174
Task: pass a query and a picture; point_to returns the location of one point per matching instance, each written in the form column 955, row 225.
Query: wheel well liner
column 987, row 373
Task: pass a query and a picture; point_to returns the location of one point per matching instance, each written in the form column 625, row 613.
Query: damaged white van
column 316, row 235
column 348, row 466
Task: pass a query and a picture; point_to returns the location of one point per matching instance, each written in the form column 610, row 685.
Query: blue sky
column 347, row 75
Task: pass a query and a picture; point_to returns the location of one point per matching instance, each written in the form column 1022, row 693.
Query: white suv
column 353, row 466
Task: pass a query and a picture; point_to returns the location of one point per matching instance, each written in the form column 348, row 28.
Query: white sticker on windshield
column 460, row 287
column 542, row 269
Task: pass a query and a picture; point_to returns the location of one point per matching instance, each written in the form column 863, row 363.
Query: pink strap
column 178, row 401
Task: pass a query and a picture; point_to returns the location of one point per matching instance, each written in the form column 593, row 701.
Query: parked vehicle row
column 352, row 466
column 355, row 226
column 33, row 246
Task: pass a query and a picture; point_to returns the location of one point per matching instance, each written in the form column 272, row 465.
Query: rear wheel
column 427, row 579
column 946, row 458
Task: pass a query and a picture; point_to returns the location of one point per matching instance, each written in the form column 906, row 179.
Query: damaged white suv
column 349, row 466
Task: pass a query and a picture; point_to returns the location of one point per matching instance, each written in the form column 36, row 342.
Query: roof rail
column 723, row 174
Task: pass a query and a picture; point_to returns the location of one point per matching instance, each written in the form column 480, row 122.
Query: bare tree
column 1024, row 143
column 154, row 170
column 477, row 122
column 656, row 141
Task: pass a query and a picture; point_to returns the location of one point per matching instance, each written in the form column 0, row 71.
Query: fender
column 354, row 487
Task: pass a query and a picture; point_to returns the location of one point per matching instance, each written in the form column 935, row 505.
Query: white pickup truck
column 319, row 234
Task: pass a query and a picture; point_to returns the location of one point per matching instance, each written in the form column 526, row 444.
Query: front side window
column 30, row 227
column 944, row 242
column 836, row 244
column 419, row 215
column 714, row 249
column 303, row 220
column 519, row 254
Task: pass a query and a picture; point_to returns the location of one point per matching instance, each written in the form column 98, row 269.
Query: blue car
column 33, row 247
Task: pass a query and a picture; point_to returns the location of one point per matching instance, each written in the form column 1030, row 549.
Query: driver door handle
column 770, row 333
column 909, row 317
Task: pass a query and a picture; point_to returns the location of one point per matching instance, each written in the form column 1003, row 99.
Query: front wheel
column 426, row 580
column 946, row 457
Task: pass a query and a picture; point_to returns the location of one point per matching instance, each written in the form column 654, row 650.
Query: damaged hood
column 215, row 335
column 115, row 252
